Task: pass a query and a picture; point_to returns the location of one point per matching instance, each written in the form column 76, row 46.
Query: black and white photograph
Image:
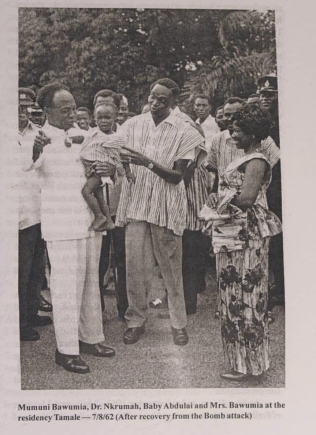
column 157, row 217
column 159, row 266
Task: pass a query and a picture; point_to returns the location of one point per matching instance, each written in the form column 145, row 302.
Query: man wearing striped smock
column 195, row 244
column 154, row 208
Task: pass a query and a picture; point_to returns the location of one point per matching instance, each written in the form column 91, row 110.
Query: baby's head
column 105, row 116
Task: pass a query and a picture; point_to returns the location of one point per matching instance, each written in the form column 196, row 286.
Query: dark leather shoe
column 40, row 320
column 29, row 334
column 132, row 335
column 71, row 363
column 234, row 376
column 44, row 305
column 96, row 349
column 180, row 336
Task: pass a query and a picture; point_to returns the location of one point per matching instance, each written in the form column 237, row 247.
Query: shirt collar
column 175, row 111
column 226, row 135
column 55, row 130
column 198, row 121
column 29, row 126
column 171, row 118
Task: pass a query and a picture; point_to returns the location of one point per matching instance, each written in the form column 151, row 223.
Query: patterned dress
column 241, row 243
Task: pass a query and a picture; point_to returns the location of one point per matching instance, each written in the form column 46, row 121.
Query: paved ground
column 153, row 362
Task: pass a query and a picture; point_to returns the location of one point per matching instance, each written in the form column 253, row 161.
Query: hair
column 46, row 94
column 104, row 93
column 84, row 109
column 202, row 96
column 168, row 83
column 234, row 100
column 123, row 99
column 113, row 106
column 219, row 108
column 253, row 119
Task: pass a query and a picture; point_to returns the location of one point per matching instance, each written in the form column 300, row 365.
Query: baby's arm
column 76, row 136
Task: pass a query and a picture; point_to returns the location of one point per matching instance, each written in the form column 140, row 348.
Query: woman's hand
column 212, row 200
column 135, row 157
column 104, row 169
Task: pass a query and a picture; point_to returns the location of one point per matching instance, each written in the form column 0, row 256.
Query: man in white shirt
column 73, row 250
column 202, row 109
column 31, row 244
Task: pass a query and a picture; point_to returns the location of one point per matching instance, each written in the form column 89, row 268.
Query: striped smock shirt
column 197, row 189
column 150, row 198
column 104, row 148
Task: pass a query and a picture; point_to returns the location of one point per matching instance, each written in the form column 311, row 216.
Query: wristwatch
column 150, row 165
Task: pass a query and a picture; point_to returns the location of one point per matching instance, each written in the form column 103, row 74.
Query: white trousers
column 75, row 292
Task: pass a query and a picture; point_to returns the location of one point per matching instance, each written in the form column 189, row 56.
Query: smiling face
column 161, row 101
column 229, row 111
column 219, row 118
column 105, row 116
column 123, row 113
column 83, row 120
column 62, row 113
column 242, row 140
column 269, row 100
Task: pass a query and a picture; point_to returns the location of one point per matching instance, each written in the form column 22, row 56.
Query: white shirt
column 27, row 182
column 210, row 129
column 65, row 215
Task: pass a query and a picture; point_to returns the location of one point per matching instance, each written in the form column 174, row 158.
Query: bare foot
column 97, row 223
column 107, row 226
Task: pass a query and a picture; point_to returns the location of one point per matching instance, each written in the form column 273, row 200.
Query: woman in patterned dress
column 241, row 229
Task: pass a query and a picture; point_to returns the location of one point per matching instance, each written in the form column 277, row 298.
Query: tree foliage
column 248, row 51
column 127, row 49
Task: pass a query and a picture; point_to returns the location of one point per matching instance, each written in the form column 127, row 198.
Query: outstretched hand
column 135, row 157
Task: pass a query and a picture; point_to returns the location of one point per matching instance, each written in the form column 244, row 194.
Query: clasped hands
column 212, row 200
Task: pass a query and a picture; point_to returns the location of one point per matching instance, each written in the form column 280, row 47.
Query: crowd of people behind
column 157, row 192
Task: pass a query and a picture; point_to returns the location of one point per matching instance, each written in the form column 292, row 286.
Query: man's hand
column 40, row 142
column 189, row 174
column 104, row 169
column 212, row 200
column 135, row 157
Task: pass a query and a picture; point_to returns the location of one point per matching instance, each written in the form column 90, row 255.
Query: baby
column 103, row 145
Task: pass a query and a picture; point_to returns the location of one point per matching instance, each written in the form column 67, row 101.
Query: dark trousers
column 118, row 238
column 276, row 264
column 31, row 272
column 195, row 246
